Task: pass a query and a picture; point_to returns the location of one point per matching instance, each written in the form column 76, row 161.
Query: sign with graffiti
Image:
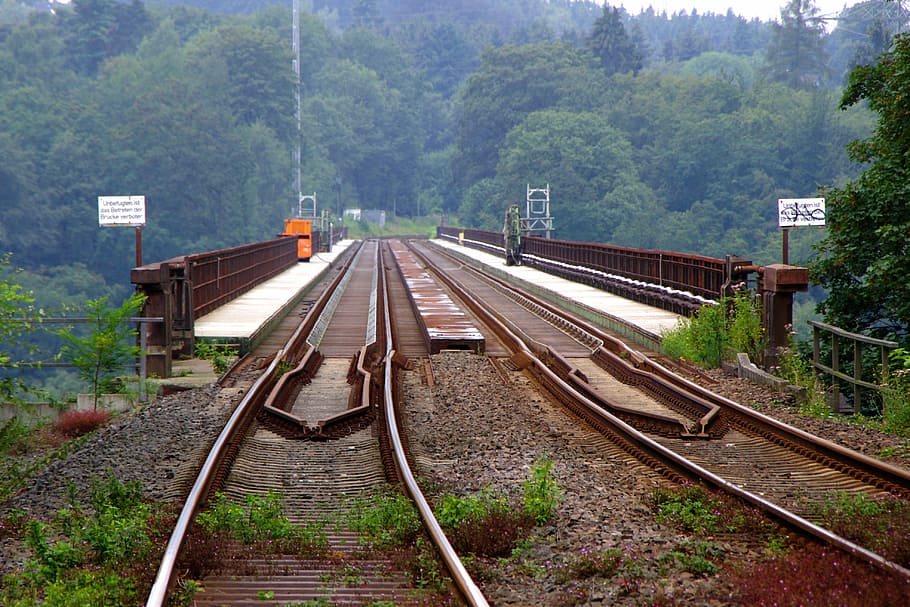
column 792, row 212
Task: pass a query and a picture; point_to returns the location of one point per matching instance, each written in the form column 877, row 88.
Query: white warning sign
column 121, row 210
column 793, row 212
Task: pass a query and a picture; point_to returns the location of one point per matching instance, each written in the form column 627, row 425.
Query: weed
column 91, row 557
column 716, row 331
column 590, row 563
column 261, row 521
column 541, row 493
column 896, row 395
column 216, row 353
column 388, row 519
column 815, row 576
column 881, row 524
column 698, row 558
column 688, row 507
column 80, row 421
column 14, row 436
column 794, row 365
column 185, row 593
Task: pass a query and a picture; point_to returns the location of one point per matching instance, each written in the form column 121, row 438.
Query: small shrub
column 717, row 331
column 688, row 507
column 387, row 520
column 590, row 563
column 698, row 558
column 77, row 422
column 218, row 354
column 794, row 366
column 14, row 436
column 87, row 559
column 896, row 395
column 541, row 493
column 260, row 520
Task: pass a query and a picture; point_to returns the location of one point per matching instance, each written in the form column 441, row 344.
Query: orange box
column 303, row 230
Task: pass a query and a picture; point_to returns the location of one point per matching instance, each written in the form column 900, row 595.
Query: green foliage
column 868, row 218
column 541, row 492
column 716, row 332
column 389, row 519
column 17, row 318
column 217, row 353
column 796, row 54
column 698, row 558
column 87, row 558
column 106, row 350
column 590, row 563
column 689, row 508
column 610, row 43
column 880, row 523
column 14, row 434
column 453, row 511
column 896, row 395
column 260, row 519
column 795, row 366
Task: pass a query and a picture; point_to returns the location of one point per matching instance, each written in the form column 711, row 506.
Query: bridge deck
column 245, row 317
column 650, row 322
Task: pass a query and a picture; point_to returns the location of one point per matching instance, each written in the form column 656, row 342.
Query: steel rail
column 460, row 576
column 231, row 432
column 655, row 450
column 660, row 379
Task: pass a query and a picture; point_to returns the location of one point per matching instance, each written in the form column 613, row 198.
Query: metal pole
column 138, row 246
column 785, row 244
column 143, row 369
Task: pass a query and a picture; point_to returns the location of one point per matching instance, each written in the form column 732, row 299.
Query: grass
column 26, row 448
column 99, row 556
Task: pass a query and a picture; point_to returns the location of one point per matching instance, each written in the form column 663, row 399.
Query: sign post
column 794, row 212
column 123, row 211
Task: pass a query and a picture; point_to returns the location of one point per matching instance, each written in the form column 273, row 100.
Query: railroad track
column 304, row 432
column 317, row 426
column 675, row 425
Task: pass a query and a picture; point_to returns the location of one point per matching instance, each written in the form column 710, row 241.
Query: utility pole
column 296, row 60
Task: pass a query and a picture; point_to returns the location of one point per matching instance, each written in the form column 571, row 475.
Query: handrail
column 885, row 347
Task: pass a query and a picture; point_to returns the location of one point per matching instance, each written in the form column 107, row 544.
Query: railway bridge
column 238, row 294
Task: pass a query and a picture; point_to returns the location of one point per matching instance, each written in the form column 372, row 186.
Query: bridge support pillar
column 154, row 282
column 778, row 284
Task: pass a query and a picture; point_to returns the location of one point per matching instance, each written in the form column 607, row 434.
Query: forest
column 671, row 131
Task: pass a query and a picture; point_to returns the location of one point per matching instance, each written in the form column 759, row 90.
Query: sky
column 766, row 10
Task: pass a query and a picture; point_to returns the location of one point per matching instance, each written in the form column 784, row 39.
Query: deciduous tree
column 865, row 259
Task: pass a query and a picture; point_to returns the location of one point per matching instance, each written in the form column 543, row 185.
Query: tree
column 610, row 43
column 110, row 345
column 512, row 82
column 99, row 29
column 254, row 70
column 796, row 54
column 865, row 259
column 585, row 161
column 15, row 309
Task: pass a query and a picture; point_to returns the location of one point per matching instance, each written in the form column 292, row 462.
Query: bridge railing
column 182, row 289
column 678, row 282
column 855, row 343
